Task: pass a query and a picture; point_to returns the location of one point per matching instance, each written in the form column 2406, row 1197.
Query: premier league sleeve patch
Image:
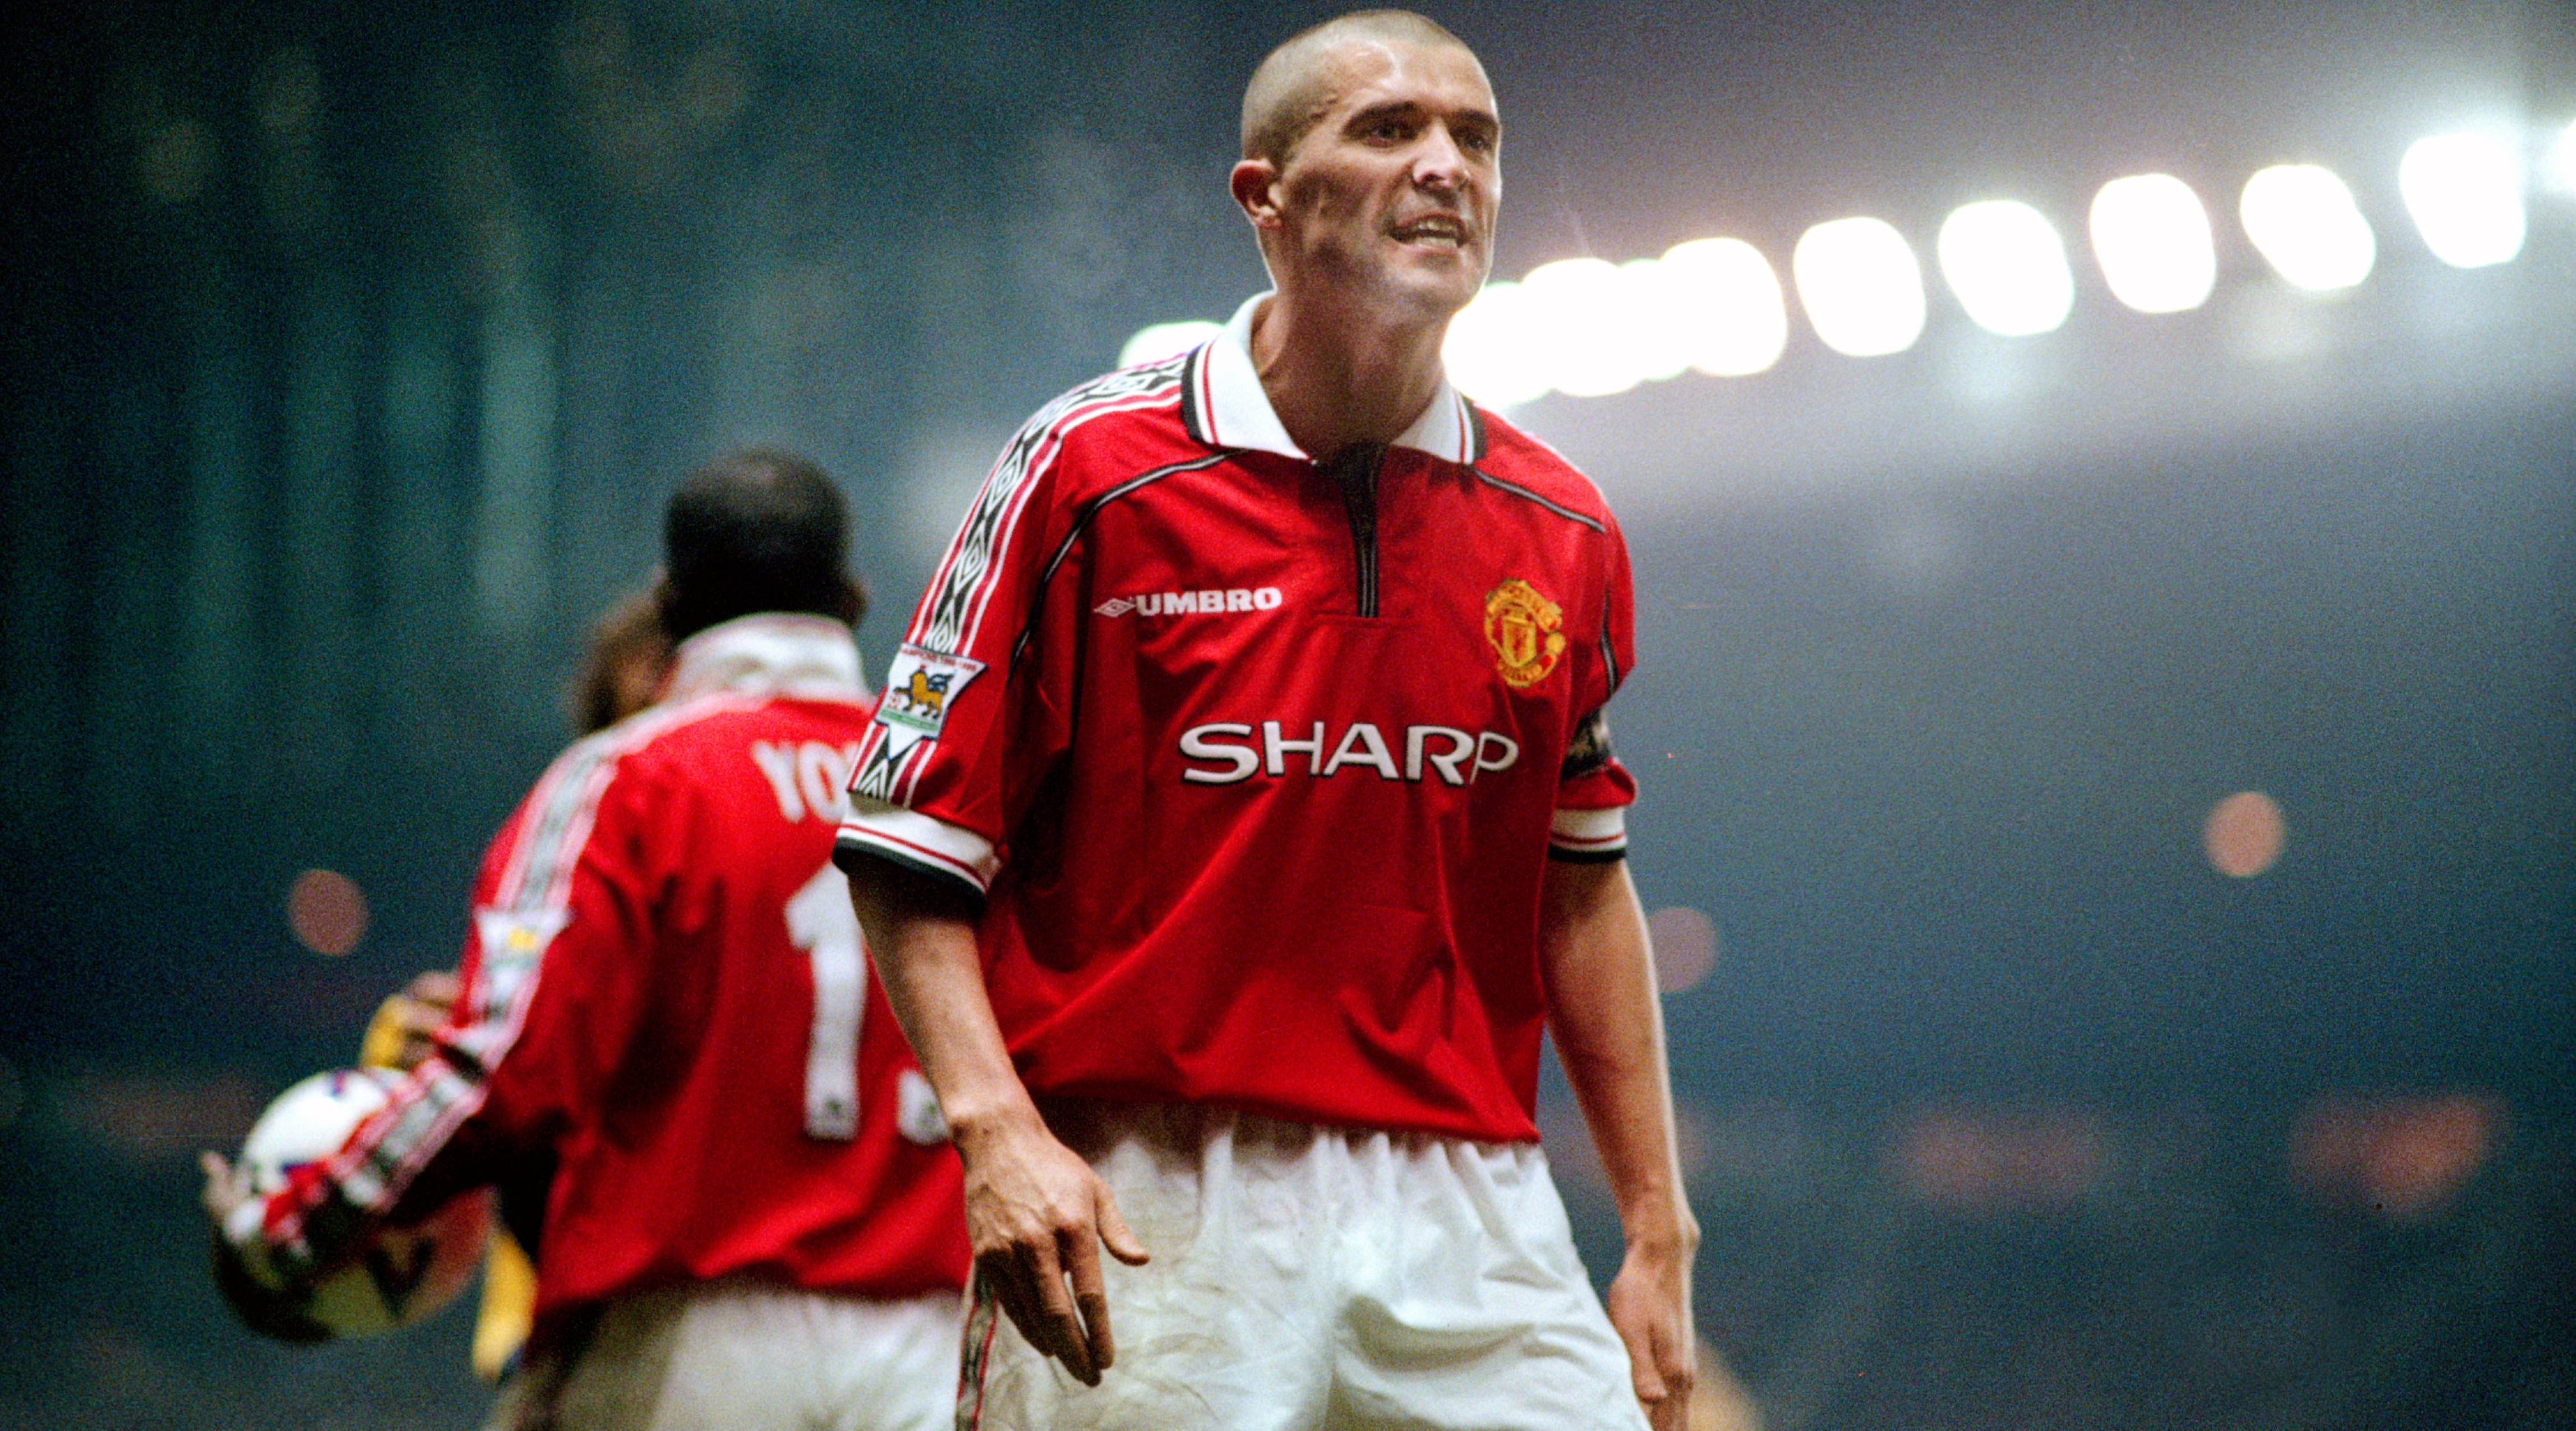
column 919, row 688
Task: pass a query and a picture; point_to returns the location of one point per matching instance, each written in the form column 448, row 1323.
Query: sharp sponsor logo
column 1192, row 603
column 1229, row 752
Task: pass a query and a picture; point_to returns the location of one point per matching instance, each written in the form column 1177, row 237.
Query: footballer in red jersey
column 1241, row 812
column 754, row 1211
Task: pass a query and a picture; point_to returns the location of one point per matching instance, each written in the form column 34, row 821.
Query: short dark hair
column 1293, row 85
column 755, row 530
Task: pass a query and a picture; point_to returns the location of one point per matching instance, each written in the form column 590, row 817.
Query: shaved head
column 1294, row 85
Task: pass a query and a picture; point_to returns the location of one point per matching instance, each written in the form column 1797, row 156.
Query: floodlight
column 1650, row 323
column 1860, row 286
column 2151, row 236
column 2465, row 193
column 1157, row 341
column 1725, row 305
column 2560, row 165
column 1492, row 352
column 1583, row 316
column 2303, row 220
column 2004, row 261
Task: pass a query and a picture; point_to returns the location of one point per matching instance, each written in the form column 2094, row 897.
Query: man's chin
column 1435, row 290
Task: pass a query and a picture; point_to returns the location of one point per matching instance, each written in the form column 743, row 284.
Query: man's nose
column 1440, row 163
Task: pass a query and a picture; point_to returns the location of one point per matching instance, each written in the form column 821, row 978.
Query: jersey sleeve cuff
column 915, row 841
column 1589, row 836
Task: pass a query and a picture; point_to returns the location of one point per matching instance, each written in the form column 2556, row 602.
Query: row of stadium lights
column 1589, row 328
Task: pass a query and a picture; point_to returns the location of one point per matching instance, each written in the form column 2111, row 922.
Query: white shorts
column 1313, row 1278
column 735, row 1356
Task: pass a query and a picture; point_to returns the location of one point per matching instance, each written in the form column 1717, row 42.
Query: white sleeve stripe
column 952, row 608
column 1589, row 829
column 918, row 839
column 1028, row 485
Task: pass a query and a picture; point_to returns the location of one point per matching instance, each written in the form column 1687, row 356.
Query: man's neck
column 1335, row 377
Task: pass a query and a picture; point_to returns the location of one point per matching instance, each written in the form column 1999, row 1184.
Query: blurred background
column 2102, row 484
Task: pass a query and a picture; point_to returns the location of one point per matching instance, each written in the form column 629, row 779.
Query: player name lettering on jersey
column 1185, row 603
column 1228, row 752
column 808, row 777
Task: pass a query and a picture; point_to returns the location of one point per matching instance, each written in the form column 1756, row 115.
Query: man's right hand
column 1037, row 1217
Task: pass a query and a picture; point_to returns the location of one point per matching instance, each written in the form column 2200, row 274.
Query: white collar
column 1224, row 405
column 769, row 652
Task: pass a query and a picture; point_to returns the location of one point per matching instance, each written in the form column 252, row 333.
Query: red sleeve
column 562, row 896
column 1594, row 788
column 973, row 711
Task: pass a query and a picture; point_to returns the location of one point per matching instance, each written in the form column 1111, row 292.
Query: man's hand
column 248, row 1283
column 1037, row 1217
column 399, row 1036
column 1649, row 1304
column 227, row 1188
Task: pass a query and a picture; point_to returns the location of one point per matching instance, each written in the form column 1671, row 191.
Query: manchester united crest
column 1521, row 626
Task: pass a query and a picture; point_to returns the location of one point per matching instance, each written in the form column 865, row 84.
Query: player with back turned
column 1241, row 812
column 752, row 1220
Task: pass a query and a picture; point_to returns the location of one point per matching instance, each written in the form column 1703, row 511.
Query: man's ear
column 1255, row 186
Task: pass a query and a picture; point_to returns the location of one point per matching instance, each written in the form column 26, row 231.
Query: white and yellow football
column 404, row 1274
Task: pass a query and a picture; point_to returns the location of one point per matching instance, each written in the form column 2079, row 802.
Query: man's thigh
column 1468, row 1310
column 1218, row 1332
column 1304, row 1278
column 736, row 1358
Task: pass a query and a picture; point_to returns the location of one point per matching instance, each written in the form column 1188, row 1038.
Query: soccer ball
column 404, row 1274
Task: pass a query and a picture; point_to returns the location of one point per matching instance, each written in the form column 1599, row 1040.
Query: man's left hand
column 1649, row 1304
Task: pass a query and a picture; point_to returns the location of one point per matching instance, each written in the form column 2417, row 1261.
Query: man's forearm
column 921, row 933
column 1036, row 1214
column 1608, row 1024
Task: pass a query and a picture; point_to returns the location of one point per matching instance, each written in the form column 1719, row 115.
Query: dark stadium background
column 352, row 349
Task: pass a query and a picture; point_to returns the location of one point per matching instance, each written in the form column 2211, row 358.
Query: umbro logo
column 1181, row 603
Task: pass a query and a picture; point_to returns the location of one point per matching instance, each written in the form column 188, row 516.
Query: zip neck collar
column 1223, row 403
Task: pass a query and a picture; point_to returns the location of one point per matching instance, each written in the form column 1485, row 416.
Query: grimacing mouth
column 1434, row 228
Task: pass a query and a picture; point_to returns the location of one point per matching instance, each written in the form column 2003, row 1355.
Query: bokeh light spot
column 1973, row 1159
column 2303, row 220
column 1685, row 943
column 287, row 92
column 2465, row 194
column 178, row 161
column 2558, row 164
column 1584, row 321
column 2244, row 834
column 1490, row 352
column 1727, row 304
column 2008, row 267
column 327, row 911
column 2402, row 1156
column 1860, row 284
column 2152, row 238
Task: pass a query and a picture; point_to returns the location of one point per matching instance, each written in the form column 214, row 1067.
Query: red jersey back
column 665, row 987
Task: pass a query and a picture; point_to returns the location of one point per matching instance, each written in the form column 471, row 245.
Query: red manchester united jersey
column 665, row 987
column 1259, row 759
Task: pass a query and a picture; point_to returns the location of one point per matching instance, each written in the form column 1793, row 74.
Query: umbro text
column 1183, row 603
